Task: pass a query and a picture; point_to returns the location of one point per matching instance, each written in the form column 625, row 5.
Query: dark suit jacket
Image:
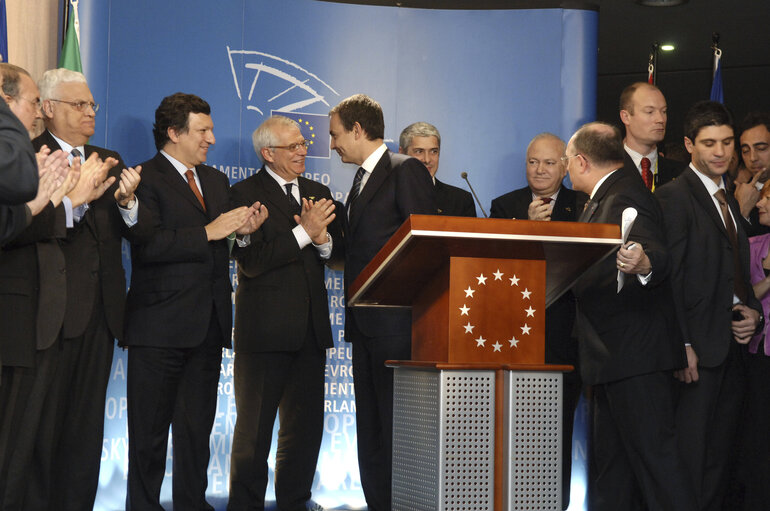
column 632, row 332
column 32, row 279
column 177, row 275
column 18, row 175
column 515, row 204
column 560, row 346
column 280, row 287
column 668, row 170
column 92, row 251
column 702, row 261
column 454, row 201
column 399, row 186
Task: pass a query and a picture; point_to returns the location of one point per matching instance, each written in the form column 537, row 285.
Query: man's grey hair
column 10, row 77
column 264, row 136
column 548, row 136
column 417, row 129
column 54, row 77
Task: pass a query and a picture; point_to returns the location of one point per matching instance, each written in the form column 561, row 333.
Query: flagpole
column 652, row 66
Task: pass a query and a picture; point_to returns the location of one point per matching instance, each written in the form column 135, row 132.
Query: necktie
column 294, row 206
column 739, row 286
column 194, row 187
column 76, row 154
column 355, row 189
column 78, row 211
column 546, row 200
column 647, row 173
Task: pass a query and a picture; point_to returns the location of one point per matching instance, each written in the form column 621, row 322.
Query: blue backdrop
column 489, row 80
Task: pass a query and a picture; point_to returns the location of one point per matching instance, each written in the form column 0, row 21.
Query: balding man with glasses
column 102, row 207
column 282, row 327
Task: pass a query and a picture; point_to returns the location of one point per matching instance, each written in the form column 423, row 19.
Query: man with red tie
column 643, row 111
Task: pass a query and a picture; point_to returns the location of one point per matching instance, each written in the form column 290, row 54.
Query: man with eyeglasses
column 99, row 209
column 280, row 351
column 629, row 344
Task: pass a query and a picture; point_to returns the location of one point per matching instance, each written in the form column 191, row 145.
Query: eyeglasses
column 80, row 106
column 565, row 159
column 292, row 147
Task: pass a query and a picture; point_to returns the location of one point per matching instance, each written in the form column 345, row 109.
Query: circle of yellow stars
column 309, row 127
column 481, row 280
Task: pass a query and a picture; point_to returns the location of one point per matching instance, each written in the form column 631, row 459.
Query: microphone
column 464, row 175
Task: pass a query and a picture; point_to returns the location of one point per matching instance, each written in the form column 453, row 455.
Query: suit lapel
column 563, row 209
column 704, row 199
column 178, row 183
column 276, row 195
column 376, row 179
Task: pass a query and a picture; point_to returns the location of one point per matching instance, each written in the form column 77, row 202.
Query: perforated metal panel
column 532, row 472
column 443, row 440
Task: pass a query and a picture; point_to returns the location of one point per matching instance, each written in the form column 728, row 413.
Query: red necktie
column 546, row 200
column 194, row 187
column 647, row 173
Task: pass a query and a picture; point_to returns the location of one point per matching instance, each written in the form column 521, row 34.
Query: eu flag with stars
column 315, row 129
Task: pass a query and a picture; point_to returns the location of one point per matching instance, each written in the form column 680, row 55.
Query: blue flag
column 315, row 128
column 717, row 94
column 3, row 33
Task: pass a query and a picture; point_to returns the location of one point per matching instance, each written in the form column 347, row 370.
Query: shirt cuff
column 301, row 236
column 644, row 279
column 130, row 215
column 325, row 249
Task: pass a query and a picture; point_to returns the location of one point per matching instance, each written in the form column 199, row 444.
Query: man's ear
column 688, row 144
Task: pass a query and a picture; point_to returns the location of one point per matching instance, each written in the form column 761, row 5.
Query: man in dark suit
column 178, row 310
column 282, row 327
column 713, row 296
column 423, row 141
column 643, row 111
column 755, row 149
column 628, row 344
column 547, row 199
column 97, row 210
column 387, row 188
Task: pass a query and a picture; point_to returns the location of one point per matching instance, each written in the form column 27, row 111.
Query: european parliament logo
column 315, row 128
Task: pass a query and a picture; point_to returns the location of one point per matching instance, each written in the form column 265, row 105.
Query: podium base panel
column 444, row 456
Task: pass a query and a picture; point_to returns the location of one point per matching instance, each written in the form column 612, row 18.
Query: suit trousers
column 290, row 384
column 374, row 413
column 174, row 387
column 81, row 381
column 707, row 416
column 636, row 464
column 27, row 426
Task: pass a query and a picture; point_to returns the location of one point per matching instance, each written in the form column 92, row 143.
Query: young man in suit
column 643, row 112
column 282, row 327
column 715, row 303
column 98, row 211
column 178, row 310
column 628, row 342
column 423, row 141
column 387, row 188
column 546, row 198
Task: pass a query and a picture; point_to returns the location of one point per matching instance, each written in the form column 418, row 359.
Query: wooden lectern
column 476, row 411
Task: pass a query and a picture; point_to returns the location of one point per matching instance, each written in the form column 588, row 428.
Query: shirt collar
column 637, row 158
column 178, row 165
column 67, row 148
column 711, row 186
column 601, row 181
column 281, row 181
column 371, row 162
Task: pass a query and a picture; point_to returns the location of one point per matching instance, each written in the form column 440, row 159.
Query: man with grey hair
column 423, row 141
column 629, row 345
column 102, row 207
column 545, row 198
column 280, row 353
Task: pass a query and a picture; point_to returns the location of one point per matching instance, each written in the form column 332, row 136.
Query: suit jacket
column 702, row 260
column 281, row 288
column 668, row 170
column 632, row 332
column 32, row 279
column 399, row 186
column 454, row 201
column 515, row 204
column 93, row 255
column 560, row 346
column 18, row 175
column 177, row 276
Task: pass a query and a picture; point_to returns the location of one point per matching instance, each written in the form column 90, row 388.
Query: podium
column 477, row 422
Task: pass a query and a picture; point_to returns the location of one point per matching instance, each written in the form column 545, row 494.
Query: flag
column 3, row 33
column 717, row 94
column 651, row 71
column 70, row 50
column 315, row 129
